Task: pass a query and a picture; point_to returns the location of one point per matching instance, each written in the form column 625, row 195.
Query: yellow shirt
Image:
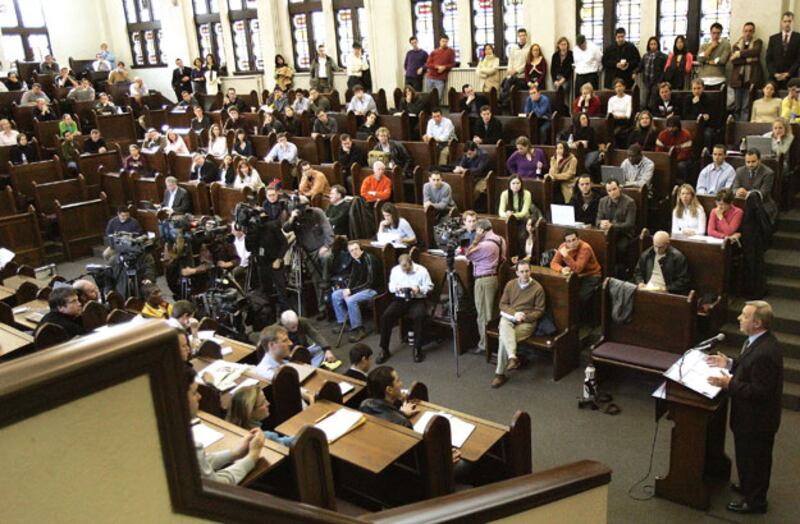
column 164, row 311
column 790, row 110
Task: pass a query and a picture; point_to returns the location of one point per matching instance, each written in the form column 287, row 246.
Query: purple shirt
column 414, row 60
column 486, row 256
column 518, row 164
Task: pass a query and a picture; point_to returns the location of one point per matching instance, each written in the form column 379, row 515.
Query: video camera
column 202, row 230
column 449, row 236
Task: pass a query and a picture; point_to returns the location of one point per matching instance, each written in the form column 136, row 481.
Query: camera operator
column 486, row 252
column 275, row 207
column 314, row 237
column 190, row 257
column 122, row 222
column 303, row 334
column 131, row 255
column 409, row 283
column 238, row 265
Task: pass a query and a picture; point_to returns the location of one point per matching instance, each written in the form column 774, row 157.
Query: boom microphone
column 711, row 342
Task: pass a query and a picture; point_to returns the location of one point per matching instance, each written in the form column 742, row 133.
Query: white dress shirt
column 363, row 106
column 279, row 153
column 442, row 132
column 241, row 251
column 588, row 61
column 419, row 277
column 171, row 198
column 323, row 70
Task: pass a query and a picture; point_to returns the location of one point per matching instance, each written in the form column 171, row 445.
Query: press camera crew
column 132, row 264
column 123, row 222
column 192, row 248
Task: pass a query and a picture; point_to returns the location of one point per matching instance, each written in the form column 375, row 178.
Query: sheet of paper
column 339, row 423
column 204, row 435
column 303, row 371
column 206, row 334
column 223, row 374
column 460, row 430
column 19, row 310
column 244, row 384
column 661, row 391
column 346, row 387
column 6, row 256
column 706, row 239
column 693, row 372
column 388, row 238
column 226, row 350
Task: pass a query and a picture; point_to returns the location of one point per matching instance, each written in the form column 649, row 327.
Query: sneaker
column 498, row 381
column 513, row 364
column 357, row 335
column 383, row 357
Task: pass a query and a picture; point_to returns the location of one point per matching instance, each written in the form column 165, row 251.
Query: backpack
column 377, row 155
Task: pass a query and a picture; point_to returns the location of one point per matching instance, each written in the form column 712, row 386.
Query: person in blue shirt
column 108, row 55
column 539, row 104
column 248, row 408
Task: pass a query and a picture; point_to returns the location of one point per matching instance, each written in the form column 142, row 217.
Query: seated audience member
column 100, row 64
column 231, row 99
column 620, row 109
column 175, row 144
column 487, row 129
column 663, row 104
column 476, row 161
column 217, row 143
column 577, row 256
column 755, row 176
column 698, row 108
column 471, row 102
column 637, row 169
column 360, row 362
column 338, row 211
column 42, row 111
column 317, row 102
column 377, row 187
column 67, row 124
column 81, row 93
column 767, row 108
column 368, row 128
column 246, row 176
column 361, row 103
column 619, row 210
column 154, row 304
column 644, row 132
column 782, row 139
column 410, row 103
column 70, row 153
column 398, row 155
column 187, row 101
column 300, row 103
column 65, row 79
column 662, row 268
column 386, row 398
column 312, row 182
column 302, row 333
column 409, row 284
column 119, row 75
column 517, row 201
column 395, row 225
column 30, row 98
column 324, row 126
column 725, row 219
column 8, row 136
column 235, row 122
column 201, row 123
column 271, row 125
column 249, row 408
column 87, row 290
column 226, row 171
column 583, row 134
column 441, row 131
column 138, row 88
column 95, row 144
column 469, row 218
column 202, row 169
column 293, row 123
column 65, row 311
column 526, row 242
column 539, row 105
column 362, row 285
column 674, row 136
column 587, row 102
column 48, row 66
column 527, row 160
column 283, row 150
column 274, row 342
column 522, row 304
column 585, row 201
column 688, row 217
column 176, row 199
column 105, row 106
column 14, row 83
column 243, row 458
column 563, row 167
column 23, row 152
column 154, row 142
column 135, row 162
column 242, row 146
column 717, row 175
column 349, row 154
column 790, row 106
column 437, row 193
column 182, row 317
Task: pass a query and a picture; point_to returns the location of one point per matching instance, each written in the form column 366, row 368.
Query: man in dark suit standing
column 176, row 199
column 755, row 176
column 755, row 386
column 181, row 79
column 783, row 52
column 360, row 361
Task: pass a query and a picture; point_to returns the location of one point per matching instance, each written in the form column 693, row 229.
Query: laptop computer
column 612, row 173
column 762, row 143
column 562, row 215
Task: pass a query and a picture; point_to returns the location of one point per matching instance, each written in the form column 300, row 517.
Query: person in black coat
column 585, row 200
column 203, row 170
column 65, row 311
column 176, row 198
column 783, row 52
column 756, row 238
column 673, row 263
column 24, row 152
column 181, row 79
column 620, row 60
column 487, row 129
column 755, row 388
column 471, row 102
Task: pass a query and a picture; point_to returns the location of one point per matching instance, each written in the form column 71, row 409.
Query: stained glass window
column 302, row 56
column 434, row 18
column 351, row 26
column 246, row 38
column 590, row 20
column 25, row 36
column 209, row 30
column 483, row 30
column 308, row 31
column 423, row 23
column 673, row 20
column 629, row 17
column 714, row 11
column 144, row 33
column 512, row 22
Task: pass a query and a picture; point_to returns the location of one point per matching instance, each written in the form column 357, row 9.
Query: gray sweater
column 441, row 198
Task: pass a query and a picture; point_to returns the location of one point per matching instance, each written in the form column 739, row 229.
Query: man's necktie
column 785, row 41
column 745, row 347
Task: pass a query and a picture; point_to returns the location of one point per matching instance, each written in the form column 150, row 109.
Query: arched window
column 209, row 30
column 246, row 36
column 434, row 18
column 351, row 26
column 693, row 19
column 495, row 21
column 144, row 33
column 308, row 31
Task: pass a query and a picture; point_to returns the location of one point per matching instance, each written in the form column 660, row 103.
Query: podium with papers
column 697, row 449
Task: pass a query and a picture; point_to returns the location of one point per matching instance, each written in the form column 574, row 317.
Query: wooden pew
column 119, row 128
column 665, row 167
column 66, row 191
column 262, row 145
column 333, row 172
column 496, row 152
column 8, row 204
column 429, row 99
column 515, row 127
column 561, row 301
column 661, row 328
column 550, row 236
column 82, row 225
column 541, row 190
column 24, row 175
column 20, row 233
column 420, row 220
column 520, row 96
column 91, row 166
column 201, row 197
column 508, row 229
column 157, row 162
column 224, row 199
column 116, row 186
column 146, row 188
column 8, row 99
column 399, row 126
column 46, row 134
column 311, row 149
column 269, row 171
column 345, row 122
column 180, row 166
column 13, row 342
column 23, row 117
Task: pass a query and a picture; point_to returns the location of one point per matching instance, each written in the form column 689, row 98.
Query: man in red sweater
column 439, row 64
column 377, row 187
column 577, row 256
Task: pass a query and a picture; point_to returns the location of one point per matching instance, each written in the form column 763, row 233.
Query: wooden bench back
column 8, row 204
column 269, row 171
column 224, row 199
column 90, row 165
column 24, row 175
column 20, row 233
column 180, row 166
column 146, row 188
column 116, row 186
column 65, row 191
column 360, row 173
column 333, row 172
column 421, row 221
column 454, row 99
column 310, row 149
column 201, row 198
column 46, row 133
column 437, row 268
column 157, row 162
column 461, row 186
column 550, row 236
column 262, row 144
column 82, row 225
column 515, row 127
column 399, row 126
column 118, row 128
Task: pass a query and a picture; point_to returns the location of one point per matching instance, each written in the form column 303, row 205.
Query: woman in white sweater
column 217, row 143
column 246, row 176
column 620, row 107
column 688, row 217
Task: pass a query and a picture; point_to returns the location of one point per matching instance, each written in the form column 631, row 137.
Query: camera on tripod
column 129, row 246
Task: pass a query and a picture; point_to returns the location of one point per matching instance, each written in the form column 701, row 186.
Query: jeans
column 590, row 159
column 544, row 131
column 430, row 83
column 350, row 306
column 742, row 103
column 317, row 355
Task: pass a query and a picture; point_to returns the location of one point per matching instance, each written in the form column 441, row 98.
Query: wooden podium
column 697, row 448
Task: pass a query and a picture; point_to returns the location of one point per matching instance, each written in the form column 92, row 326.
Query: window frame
column 499, row 23
column 140, row 28
column 244, row 15
column 209, row 18
column 438, row 24
column 24, row 32
column 354, row 6
column 308, row 9
column 610, row 23
column 693, row 19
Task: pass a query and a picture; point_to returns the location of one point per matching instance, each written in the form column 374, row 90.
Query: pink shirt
column 729, row 225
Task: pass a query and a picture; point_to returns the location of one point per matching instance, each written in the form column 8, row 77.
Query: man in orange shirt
column 312, row 182
column 377, row 187
column 577, row 256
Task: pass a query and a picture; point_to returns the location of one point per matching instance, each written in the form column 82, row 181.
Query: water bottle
column 570, row 141
column 411, row 338
column 743, row 145
column 588, row 381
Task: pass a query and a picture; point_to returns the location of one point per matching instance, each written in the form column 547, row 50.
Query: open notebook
column 338, row 423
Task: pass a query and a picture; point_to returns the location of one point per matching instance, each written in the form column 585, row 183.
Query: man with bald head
column 662, row 268
column 87, row 290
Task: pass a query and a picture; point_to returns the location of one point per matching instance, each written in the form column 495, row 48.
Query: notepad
column 226, row 350
column 223, row 374
column 459, row 429
column 339, row 423
column 346, row 387
column 204, row 435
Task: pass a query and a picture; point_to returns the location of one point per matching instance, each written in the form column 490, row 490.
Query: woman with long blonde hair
column 688, row 217
column 248, row 408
